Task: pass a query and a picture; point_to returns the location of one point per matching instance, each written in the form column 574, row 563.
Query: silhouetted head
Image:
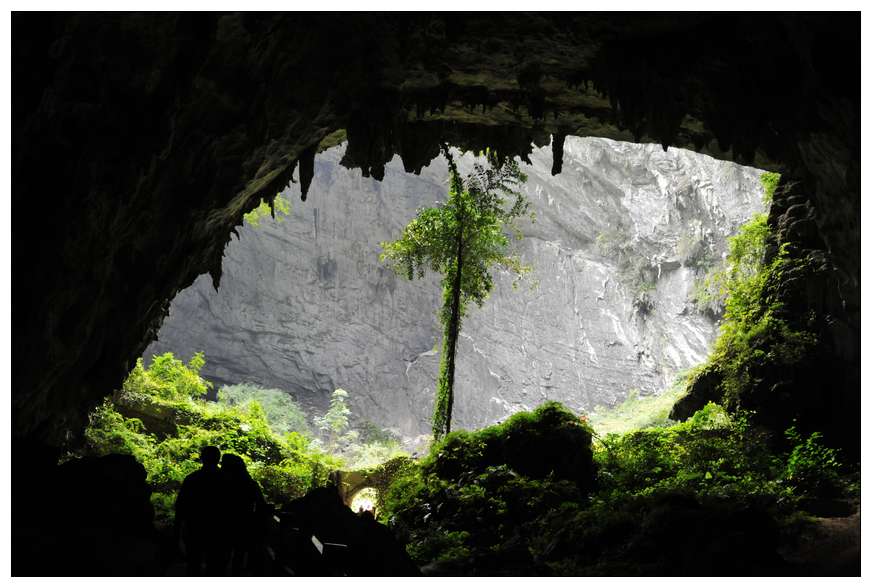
column 210, row 455
column 233, row 464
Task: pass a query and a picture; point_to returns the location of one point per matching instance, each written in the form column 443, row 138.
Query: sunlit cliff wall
column 618, row 241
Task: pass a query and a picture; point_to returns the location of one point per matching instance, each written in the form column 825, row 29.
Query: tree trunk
column 445, row 387
column 454, row 333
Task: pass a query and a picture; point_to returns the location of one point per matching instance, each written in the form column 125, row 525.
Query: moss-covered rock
column 475, row 500
column 550, row 441
column 710, row 496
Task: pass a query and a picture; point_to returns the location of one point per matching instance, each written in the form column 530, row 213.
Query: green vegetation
column 471, row 506
column 638, row 412
column 770, row 181
column 712, row 454
column 360, row 448
column 716, row 479
column 361, row 456
column 812, row 467
column 334, row 424
column 161, row 417
column 738, row 277
column 754, row 337
column 280, row 207
column 475, row 489
column 282, row 413
column 335, row 138
column 462, row 239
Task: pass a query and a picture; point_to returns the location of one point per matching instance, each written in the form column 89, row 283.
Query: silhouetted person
column 198, row 518
column 245, row 513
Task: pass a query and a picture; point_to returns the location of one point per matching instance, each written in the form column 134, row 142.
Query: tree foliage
column 161, row 418
column 282, row 413
column 462, row 239
column 168, row 378
column 334, row 424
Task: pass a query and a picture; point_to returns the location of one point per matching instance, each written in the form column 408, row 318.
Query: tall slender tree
column 462, row 239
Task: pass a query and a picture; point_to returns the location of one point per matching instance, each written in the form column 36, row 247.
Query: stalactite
column 307, row 170
column 557, row 152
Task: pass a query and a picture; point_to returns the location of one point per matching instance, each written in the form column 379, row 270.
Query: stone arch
column 380, row 478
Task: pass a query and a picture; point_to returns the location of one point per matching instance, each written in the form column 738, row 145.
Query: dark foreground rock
column 319, row 535
column 87, row 517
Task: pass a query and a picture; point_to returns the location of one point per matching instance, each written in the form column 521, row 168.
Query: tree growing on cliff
column 462, row 239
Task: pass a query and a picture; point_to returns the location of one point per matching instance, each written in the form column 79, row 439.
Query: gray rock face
column 619, row 238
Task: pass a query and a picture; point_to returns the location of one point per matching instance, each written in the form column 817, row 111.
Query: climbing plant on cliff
column 739, row 277
column 462, row 239
column 280, row 207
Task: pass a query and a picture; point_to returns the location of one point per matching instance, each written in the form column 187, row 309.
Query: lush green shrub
column 770, row 181
column 461, row 507
column 447, row 547
column 160, row 418
column 812, row 468
column 283, row 414
column 712, row 454
column 168, row 378
column 475, row 490
column 736, row 281
column 524, row 442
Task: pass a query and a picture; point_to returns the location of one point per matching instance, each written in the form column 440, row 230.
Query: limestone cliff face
column 619, row 238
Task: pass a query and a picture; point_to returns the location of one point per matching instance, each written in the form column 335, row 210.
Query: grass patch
column 638, row 412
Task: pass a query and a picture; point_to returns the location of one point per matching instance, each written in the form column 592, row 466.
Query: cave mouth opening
column 623, row 242
column 327, row 354
column 727, row 92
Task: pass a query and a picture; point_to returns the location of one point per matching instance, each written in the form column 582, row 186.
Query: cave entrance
column 622, row 239
column 342, row 355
